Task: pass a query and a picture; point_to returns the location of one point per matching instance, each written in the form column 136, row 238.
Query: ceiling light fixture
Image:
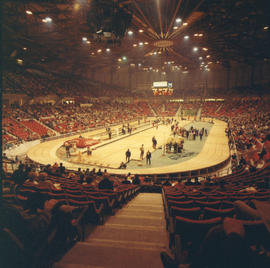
column 20, row 61
column 47, row 19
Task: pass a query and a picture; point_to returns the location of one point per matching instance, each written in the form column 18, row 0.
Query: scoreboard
column 162, row 88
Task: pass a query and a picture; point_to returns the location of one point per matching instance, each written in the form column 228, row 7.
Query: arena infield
column 108, row 154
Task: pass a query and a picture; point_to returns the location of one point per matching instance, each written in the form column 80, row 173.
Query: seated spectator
column 79, row 172
column 82, row 179
column 265, row 184
column 32, row 178
column 123, row 165
column 130, row 177
column 19, row 175
column 188, row 182
column 249, row 189
column 50, row 170
column 208, row 182
column 222, row 185
column 42, row 181
column 105, row 173
column 37, row 219
column 3, row 174
column 99, row 173
column 55, row 165
column 87, row 172
column 242, row 161
column 93, row 171
column 61, row 169
column 89, row 179
column 196, row 181
column 224, row 246
column 126, row 181
column 136, row 180
column 260, row 212
column 167, row 183
column 105, row 184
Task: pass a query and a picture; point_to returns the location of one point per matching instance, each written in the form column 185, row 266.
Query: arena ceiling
column 78, row 35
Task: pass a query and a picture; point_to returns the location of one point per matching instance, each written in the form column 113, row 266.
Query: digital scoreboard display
column 162, row 88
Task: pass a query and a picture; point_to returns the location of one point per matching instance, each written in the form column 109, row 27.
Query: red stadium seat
column 212, row 212
column 211, row 204
column 191, row 213
column 181, row 204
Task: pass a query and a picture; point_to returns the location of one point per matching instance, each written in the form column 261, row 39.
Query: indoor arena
column 135, row 134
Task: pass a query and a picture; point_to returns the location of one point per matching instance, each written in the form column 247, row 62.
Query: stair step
column 113, row 254
column 136, row 221
column 141, row 212
column 130, row 235
column 134, row 227
column 133, row 237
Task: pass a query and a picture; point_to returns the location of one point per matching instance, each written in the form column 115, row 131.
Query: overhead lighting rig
column 107, row 21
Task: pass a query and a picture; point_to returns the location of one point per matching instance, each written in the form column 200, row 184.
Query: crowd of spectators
column 46, row 207
column 71, row 118
column 249, row 120
column 19, row 126
column 165, row 108
column 66, row 118
column 209, row 109
column 248, row 128
column 39, row 83
column 221, row 221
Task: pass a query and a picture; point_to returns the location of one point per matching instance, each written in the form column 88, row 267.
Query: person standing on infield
column 148, row 157
column 142, row 152
column 128, row 155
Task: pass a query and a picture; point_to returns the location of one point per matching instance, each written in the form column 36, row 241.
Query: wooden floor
column 215, row 151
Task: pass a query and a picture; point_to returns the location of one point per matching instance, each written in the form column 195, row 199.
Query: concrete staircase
column 152, row 109
column 178, row 112
column 198, row 115
column 133, row 237
column 219, row 108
